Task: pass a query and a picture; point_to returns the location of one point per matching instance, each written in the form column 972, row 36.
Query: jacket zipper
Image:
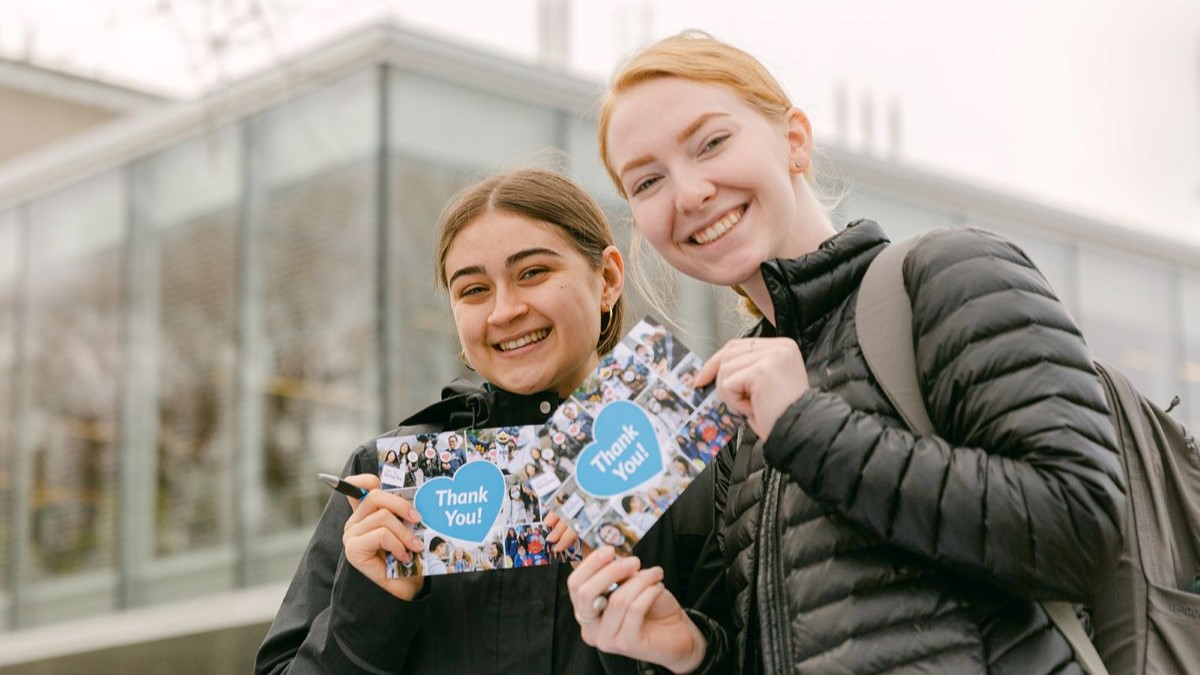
column 772, row 614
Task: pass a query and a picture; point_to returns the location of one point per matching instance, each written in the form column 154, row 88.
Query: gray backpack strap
column 883, row 315
column 1063, row 615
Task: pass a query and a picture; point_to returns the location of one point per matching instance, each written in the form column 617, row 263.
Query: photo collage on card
column 630, row 439
column 471, row 488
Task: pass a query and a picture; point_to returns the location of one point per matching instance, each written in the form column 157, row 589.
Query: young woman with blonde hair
column 852, row 545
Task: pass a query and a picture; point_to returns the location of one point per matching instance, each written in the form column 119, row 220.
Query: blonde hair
column 546, row 197
column 699, row 57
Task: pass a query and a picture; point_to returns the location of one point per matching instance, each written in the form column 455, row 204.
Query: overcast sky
column 1089, row 105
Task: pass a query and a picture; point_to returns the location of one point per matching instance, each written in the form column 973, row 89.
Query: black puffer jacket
column 854, row 546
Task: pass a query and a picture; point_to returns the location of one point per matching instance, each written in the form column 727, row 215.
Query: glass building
column 203, row 307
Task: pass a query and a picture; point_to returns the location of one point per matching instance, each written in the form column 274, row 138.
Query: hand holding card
column 376, row 530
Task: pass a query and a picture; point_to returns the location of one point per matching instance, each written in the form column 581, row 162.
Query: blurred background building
column 203, row 304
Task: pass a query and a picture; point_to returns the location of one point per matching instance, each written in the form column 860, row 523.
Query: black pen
column 348, row 489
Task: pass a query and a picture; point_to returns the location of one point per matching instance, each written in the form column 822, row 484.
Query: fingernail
column 420, row 545
column 416, row 514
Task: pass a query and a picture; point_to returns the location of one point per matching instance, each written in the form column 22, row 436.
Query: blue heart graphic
column 464, row 507
column 625, row 454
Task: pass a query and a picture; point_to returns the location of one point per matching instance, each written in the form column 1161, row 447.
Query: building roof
column 73, row 89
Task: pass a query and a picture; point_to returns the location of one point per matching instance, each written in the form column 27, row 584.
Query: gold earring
column 605, row 319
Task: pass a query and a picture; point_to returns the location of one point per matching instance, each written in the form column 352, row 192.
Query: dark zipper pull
column 1174, row 402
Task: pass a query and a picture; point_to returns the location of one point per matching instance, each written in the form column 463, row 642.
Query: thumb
column 367, row 481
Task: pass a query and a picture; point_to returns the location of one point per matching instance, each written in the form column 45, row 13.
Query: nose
column 509, row 307
column 692, row 191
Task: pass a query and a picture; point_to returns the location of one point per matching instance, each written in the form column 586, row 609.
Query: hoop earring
column 606, row 316
column 462, row 356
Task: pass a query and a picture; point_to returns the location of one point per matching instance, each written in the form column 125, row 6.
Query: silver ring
column 601, row 601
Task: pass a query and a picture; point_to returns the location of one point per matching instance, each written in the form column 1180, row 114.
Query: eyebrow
column 683, row 136
column 508, row 262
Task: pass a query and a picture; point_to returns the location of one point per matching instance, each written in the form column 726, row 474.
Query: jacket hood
column 805, row 289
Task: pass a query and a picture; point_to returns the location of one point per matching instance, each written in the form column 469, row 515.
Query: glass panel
column 313, row 135
column 446, row 124
column 586, row 167
column 75, row 360
column 314, row 323
column 1190, row 368
column 424, row 343
column 899, row 219
column 10, row 247
column 1125, row 316
column 187, row 208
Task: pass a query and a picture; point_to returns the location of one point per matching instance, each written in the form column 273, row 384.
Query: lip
column 713, row 221
column 524, row 348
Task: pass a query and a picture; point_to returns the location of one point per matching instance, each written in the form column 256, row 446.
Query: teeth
column 536, row 336
column 718, row 228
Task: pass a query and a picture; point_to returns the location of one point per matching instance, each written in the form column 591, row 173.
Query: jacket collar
column 805, row 290
column 466, row 404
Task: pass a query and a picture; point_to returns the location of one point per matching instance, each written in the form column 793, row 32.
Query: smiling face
column 526, row 303
column 679, row 467
column 712, row 183
column 609, row 534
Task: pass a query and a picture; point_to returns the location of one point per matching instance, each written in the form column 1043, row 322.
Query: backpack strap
column 883, row 318
column 883, row 314
column 1063, row 615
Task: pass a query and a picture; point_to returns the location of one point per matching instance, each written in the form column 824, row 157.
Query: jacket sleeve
column 333, row 619
column 1022, row 486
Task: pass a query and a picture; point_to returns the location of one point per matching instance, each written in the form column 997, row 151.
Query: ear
column 800, row 140
column 612, row 271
